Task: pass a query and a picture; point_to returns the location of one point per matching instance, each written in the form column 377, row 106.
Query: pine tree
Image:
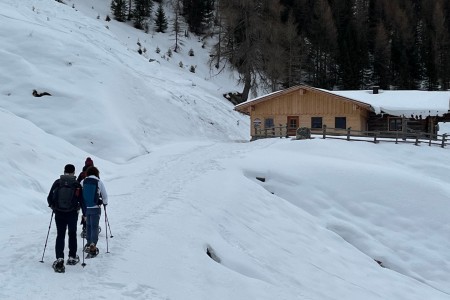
column 322, row 39
column 352, row 51
column 119, row 9
column 295, row 50
column 141, row 11
column 199, row 14
column 161, row 20
column 381, row 57
column 405, row 65
column 442, row 61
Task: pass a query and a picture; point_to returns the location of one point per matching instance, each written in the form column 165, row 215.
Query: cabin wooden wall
column 308, row 104
column 381, row 123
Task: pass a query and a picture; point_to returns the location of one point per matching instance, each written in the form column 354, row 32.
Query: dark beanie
column 69, row 168
column 89, row 162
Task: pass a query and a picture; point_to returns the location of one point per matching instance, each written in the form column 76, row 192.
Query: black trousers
column 66, row 221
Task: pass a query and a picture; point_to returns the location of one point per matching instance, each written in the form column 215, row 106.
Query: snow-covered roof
column 399, row 103
column 396, row 103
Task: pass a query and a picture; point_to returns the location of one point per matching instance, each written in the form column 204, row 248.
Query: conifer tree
column 294, row 53
column 141, row 11
column 119, row 9
column 160, row 20
column 199, row 14
column 381, row 57
column 322, row 34
column 352, row 51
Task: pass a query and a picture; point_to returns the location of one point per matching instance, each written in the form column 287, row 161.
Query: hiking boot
column 73, row 260
column 86, row 248
column 58, row 265
column 92, row 249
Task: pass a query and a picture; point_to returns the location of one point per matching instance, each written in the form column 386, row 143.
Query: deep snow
column 181, row 176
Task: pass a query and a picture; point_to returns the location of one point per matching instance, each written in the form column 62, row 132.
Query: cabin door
column 292, row 125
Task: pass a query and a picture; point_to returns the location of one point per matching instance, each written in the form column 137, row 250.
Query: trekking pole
column 106, row 228
column 106, row 219
column 50, row 225
column 83, row 264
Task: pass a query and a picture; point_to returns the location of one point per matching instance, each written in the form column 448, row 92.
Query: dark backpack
column 91, row 192
column 81, row 176
column 65, row 196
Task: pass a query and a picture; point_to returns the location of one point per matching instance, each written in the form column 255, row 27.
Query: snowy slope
column 182, row 179
column 86, row 66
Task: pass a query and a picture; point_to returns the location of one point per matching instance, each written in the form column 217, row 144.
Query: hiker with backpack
column 88, row 163
column 94, row 195
column 66, row 198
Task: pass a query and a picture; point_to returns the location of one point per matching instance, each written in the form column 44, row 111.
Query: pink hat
column 89, row 162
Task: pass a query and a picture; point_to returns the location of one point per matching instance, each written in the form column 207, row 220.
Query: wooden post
column 417, row 139
column 443, row 140
column 348, row 133
column 404, row 127
column 431, row 130
column 324, row 128
column 286, row 131
column 375, row 137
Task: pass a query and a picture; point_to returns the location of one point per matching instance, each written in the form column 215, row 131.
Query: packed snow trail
column 137, row 200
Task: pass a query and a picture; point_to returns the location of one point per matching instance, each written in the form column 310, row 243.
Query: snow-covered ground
column 181, row 176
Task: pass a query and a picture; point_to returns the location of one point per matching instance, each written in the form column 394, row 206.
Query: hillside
column 181, row 176
column 86, row 66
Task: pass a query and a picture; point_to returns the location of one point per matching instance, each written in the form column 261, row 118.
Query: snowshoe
column 93, row 251
column 58, row 266
column 92, row 254
column 73, row 260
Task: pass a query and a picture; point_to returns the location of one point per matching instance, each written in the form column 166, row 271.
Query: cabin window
column 395, row 124
column 268, row 123
column 293, row 122
column 316, row 122
column 340, row 122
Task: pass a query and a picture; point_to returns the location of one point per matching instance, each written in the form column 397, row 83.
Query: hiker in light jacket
column 95, row 195
column 87, row 163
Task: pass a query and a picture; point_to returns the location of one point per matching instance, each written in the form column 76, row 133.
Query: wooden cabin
column 304, row 106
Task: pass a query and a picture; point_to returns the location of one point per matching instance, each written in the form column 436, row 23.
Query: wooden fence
column 349, row 134
column 262, row 133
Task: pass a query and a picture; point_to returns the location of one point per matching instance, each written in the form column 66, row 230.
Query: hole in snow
column 212, row 254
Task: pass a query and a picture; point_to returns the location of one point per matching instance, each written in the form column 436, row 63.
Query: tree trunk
column 247, row 87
